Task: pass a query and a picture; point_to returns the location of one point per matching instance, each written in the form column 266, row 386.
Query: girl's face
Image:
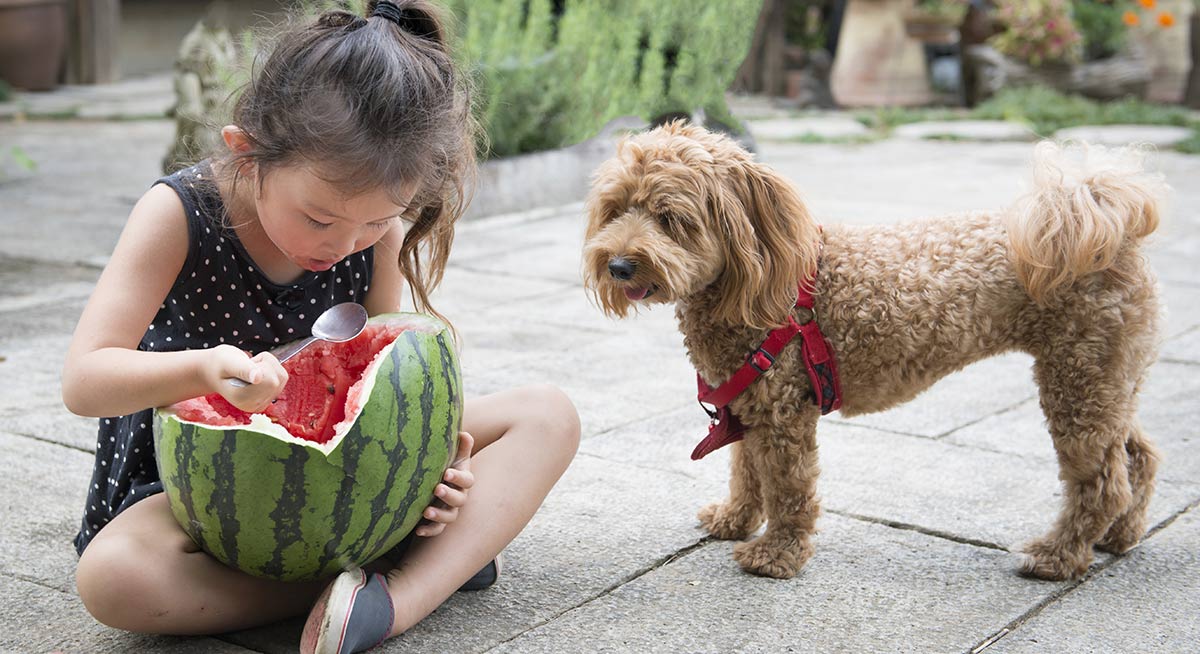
column 314, row 224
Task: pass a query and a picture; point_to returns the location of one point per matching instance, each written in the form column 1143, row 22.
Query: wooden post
column 95, row 29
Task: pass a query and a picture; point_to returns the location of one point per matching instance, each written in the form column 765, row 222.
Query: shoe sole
column 335, row 602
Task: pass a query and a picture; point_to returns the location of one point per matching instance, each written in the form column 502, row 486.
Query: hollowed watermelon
column 337, row 471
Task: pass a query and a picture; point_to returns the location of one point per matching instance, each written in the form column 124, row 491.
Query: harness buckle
column 761, row 360
column 712, row 413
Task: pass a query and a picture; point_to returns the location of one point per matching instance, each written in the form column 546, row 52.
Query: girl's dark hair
column 367, row 103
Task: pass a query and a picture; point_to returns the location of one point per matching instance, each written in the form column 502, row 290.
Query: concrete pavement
column 923, row 504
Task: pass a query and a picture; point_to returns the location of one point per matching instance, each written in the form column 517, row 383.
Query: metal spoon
column 337, row 324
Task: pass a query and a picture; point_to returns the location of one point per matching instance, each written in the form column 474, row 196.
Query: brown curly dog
column 684, row 216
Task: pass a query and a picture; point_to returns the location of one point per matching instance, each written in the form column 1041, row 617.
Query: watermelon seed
column 330, row 389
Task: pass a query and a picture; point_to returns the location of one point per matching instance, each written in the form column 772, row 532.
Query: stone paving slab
column 980, row 389
column 31, row 372
column 867, row 589
column 44, row 487
column 27, row 608
column 1167, row 407
column 603, row 523
column 824, row 127
column 969, row 130
column 88, row 177
column 1184, row 349
column 1156, row 135
column 969, row 494
column 1146, row 602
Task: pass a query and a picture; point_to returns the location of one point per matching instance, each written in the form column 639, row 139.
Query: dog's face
column 679, row 210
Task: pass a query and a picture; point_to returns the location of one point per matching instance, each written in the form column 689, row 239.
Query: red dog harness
column 818, row 360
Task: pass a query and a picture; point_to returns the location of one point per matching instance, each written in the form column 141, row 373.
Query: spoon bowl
column 337, row 324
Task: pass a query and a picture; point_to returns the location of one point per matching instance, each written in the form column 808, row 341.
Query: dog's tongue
column 635, row 294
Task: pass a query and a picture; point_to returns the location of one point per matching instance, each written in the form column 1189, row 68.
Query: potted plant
column 1078, row 46
column 33, row 42
column 935, row 21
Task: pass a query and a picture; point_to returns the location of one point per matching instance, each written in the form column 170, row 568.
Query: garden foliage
column 550, row 73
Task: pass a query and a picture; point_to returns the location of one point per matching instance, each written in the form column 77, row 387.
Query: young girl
column 348, row 158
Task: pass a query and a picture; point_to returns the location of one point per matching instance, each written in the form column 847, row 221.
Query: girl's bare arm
column 104, row 373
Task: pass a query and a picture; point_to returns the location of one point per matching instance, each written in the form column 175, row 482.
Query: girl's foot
column 354, row 614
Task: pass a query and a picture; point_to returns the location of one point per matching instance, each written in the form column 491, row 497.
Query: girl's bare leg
column 143, row 573
column 524, row 440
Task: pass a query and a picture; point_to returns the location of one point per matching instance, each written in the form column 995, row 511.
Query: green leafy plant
column 1046, row 110
column 549, row 77
column 950, row 11
column 548, row 73
column 1037, row 31
column 1102, row 25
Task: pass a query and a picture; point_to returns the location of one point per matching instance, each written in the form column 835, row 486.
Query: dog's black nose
column 621, row 268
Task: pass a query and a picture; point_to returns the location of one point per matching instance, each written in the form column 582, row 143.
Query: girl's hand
column 263, row 371
column 451, row 495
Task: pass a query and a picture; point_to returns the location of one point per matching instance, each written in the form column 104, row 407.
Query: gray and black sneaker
column 354, row 614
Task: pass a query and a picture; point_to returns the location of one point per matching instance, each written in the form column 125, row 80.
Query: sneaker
column 354, row 614
column 485, row 577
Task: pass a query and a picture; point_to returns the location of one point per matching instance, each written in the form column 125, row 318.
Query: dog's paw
column 1044, row 559
column 727, row 524
column 1122, row 536
column 770, row 557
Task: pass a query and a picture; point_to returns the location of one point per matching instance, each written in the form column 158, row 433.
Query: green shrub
column 548, row 78
column 1101, row 25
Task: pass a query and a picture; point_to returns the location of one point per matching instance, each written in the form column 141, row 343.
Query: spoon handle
column 283, row 355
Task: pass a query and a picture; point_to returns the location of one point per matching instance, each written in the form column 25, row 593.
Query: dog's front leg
column 740, row 515
column 783, row 454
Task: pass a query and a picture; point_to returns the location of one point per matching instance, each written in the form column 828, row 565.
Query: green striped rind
column 290, row 511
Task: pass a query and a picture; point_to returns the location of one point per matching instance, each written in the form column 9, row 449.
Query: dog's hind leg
column 740, row 515
column 1128, row 529
column 1088, row 399
column 784, row 455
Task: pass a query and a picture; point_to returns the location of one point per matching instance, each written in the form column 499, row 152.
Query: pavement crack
column 936, row 533
column 1000, row 412
column 1092, row 573
column 37, row 582
column 43, row 439
column 659, row 563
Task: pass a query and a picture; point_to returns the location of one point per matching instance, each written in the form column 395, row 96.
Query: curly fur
column 702, row 225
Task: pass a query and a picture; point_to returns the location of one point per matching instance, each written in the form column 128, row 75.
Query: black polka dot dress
column 219, row 297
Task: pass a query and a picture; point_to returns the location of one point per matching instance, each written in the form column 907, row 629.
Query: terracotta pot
column 33, row 43
column 927, row 28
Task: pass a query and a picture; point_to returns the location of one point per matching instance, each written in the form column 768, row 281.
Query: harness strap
column 816, row 353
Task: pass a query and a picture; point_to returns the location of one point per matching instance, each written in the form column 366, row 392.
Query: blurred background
column 552, row 73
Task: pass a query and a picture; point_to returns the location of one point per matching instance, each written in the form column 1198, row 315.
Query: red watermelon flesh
column 324, row 384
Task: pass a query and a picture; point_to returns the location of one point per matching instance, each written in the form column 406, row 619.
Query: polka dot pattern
column 219, row 297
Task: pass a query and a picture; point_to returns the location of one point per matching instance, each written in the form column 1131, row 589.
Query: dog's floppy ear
column 771, row 246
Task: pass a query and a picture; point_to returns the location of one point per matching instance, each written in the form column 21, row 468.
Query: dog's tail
column 1087, row 203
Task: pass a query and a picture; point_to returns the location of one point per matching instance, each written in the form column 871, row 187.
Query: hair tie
column 408, row 21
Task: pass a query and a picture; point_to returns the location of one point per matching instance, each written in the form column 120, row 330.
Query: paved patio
column 923, row 504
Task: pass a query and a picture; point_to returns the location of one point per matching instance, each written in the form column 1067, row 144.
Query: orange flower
column 1129, row 18
column 1165, row 19
column 1148, row 4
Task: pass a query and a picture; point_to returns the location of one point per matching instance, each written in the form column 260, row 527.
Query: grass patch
column 885, row 119
column 1044, row 111
column 1047, row 111
column 851, row 139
